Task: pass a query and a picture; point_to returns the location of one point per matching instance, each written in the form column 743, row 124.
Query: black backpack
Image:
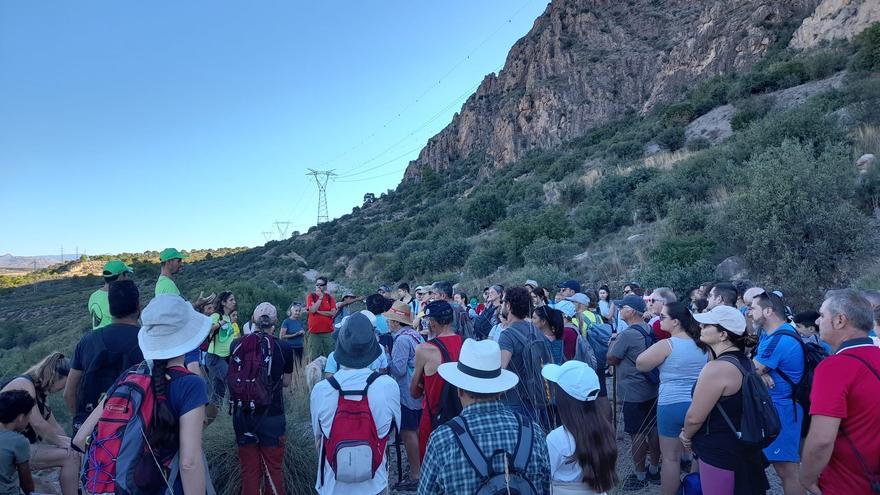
column 449, row 404
column 102, row 372
column 535, row 354
column 813, row 355
column 760, row 423
column 512, row 482
column 652, row 376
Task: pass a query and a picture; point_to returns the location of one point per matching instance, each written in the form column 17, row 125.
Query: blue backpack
column 598, row 335
column 652, row 376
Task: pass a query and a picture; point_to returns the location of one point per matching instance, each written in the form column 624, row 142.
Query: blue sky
column 129, row 126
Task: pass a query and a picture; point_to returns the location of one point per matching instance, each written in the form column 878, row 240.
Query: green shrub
column 484, row 261
column 671, row 138
column 750, row 110
column 698, row 143
column 867, row 43
column 544, row 251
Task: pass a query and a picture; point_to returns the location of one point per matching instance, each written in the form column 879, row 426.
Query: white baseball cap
column 728, row 317
column 576, row 378
column 579, row 298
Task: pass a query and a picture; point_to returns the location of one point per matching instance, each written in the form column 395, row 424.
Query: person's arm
column 399, row 363
column 505, row 358
column 88, row 427
column 654, row 356
column 313, row 307
column 617, row 347
column 49, row 429
column 707, row 393
column 817, row 450
column 192, row 467
column 71, row 388
column 25, row 480
column 415, row 385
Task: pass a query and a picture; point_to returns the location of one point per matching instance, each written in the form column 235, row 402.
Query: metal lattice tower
column 321, row 178
column 268, row 235
column 282, row 227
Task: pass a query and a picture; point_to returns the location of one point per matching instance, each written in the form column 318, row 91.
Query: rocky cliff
column 836, row 19
column 586, row 62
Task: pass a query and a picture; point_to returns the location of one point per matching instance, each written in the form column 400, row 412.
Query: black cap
column 438, row 309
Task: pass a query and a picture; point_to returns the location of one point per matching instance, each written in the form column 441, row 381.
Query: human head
column 124, row 299
column 116, row 270
column 531, row 284
column 494, row 293
column 633, row 288
column 750, row 294
column 478, row 373
column 439, row 315
column 356, row 343
column 15, row 407
column 171, row 260
column 461, row 299
column 604, row 293
column 377, row 304
column 170, row 327
column 550, row 320
column 398, row 315
column 384, row 291
column 441, row 290
column 402, row 290
column 722, row 293
column 724, row 325
column 845, row 314
column 580, row 300
column 421, row 294
column 660, row 297
column 205, row 304
column 805, row 322
column 225, row 303
column 569, row 288
column 539, row 298
column 517, row 301
column 50, row 374
column 631, row 308
column 767, row 310
column 321, row 283
column 676, row 317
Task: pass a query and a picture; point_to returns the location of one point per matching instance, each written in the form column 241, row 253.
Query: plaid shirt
column 492, row 426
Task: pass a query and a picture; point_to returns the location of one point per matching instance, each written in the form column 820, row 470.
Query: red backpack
column 353, row 449
column 248, row 379
column 119, row 458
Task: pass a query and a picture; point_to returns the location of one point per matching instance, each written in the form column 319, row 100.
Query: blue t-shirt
column 185, row 394
column 381, row 325
column 291, row 327
column 778, row 352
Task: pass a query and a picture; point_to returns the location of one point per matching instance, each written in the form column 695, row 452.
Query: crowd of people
column 509, row 393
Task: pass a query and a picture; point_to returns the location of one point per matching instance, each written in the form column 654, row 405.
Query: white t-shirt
column 560, row 445
column 384, row 397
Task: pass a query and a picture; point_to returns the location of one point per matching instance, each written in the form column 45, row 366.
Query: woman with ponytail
column 680, row 358
column 50, row 445
column 170, row 328
column 583, row 451
column 222, row 334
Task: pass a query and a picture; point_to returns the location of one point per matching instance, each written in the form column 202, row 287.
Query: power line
column 321, row 177
column 364, row 179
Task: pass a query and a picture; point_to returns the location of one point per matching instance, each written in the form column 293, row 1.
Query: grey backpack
column 512, row 482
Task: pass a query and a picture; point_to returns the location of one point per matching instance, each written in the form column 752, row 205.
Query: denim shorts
column 670, row 418
column 410, row 418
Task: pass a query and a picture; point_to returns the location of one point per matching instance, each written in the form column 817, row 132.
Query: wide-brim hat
column 399, row 312
column 356, row 343
column 478, row 369
column 170, row 327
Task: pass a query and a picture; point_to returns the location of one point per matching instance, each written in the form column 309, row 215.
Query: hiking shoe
column 631, row 483
column 654, row 479
column 407, row 485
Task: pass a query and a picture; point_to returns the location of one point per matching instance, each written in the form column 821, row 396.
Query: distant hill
column 26, row 263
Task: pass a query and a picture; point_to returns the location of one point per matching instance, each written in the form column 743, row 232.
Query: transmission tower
column 321, row 177
column 282, row 227
column 267, row 234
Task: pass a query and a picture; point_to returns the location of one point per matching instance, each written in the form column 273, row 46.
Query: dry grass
column 867, row 140
column 665, row 161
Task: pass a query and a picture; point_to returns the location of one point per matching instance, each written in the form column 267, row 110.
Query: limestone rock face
column 836, row 19
column 587, row 62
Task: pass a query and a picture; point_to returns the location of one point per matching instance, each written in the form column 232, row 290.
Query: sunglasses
column 627, row 291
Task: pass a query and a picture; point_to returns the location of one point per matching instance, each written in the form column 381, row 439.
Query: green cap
column 116, row 267
column 171, row 254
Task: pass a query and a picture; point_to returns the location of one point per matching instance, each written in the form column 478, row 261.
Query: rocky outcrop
column 836, row 19
column 587, row 62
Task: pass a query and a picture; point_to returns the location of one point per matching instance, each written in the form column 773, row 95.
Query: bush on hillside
column 544, row 251
column 794, row 222
column 750, row 110
column 484, row 261
column 867, row 43
column 671, row 138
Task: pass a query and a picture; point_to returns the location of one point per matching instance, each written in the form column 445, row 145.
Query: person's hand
column 686, row 441
column 768, row 380
column 813, row 489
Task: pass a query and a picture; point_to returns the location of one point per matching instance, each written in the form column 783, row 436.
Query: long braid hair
column 163, row 428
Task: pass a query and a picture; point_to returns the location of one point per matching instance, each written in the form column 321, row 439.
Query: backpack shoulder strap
column 444, row 352
column 471, row 451
column 523, row 444
column 734, row 361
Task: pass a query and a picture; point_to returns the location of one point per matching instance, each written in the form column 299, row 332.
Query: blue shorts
column 670, row 418
column 786, row 447
column 410, row 418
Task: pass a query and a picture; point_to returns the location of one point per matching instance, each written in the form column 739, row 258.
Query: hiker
column 630, row 289
column 292, row 331
column 805, row 323
column 385, row 291
column 604, row 302
column 405, row 297
column 549, row 322
column 843, row 448
column 258, row 412
column 457, row 461
column 722, row 293
column 566, row 290
column 461, row 320
column 378, row 304
column 444, row 347
column 583, row 450
column 15, row 452
column 780, row 361
column 418, row 317
column 169, row 329
column 659, row 298
column 220, row 339
column 101, row 356
column 638, row 392
column 342, row 306
column 488, row 318
column 538, row 297
column 524, row 351
column 727, row 465
column 371, row 406
column 50, row 445
column 321, row 308
column 99, row 308
column 380, row 364
column 583, row 318
column 171, row 261
column 680, row 359
column 401, row 367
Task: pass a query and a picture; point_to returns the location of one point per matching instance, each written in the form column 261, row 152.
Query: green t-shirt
column 166, row 286
column 99, row 308
column 14, row 450
column 225, row 335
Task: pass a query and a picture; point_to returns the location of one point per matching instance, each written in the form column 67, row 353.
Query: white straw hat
column 479, row 369
column 170, row 327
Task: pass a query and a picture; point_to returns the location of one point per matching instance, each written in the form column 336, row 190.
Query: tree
column 369, row 198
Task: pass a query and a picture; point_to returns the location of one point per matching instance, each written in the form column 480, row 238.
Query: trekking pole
column 269, row 477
